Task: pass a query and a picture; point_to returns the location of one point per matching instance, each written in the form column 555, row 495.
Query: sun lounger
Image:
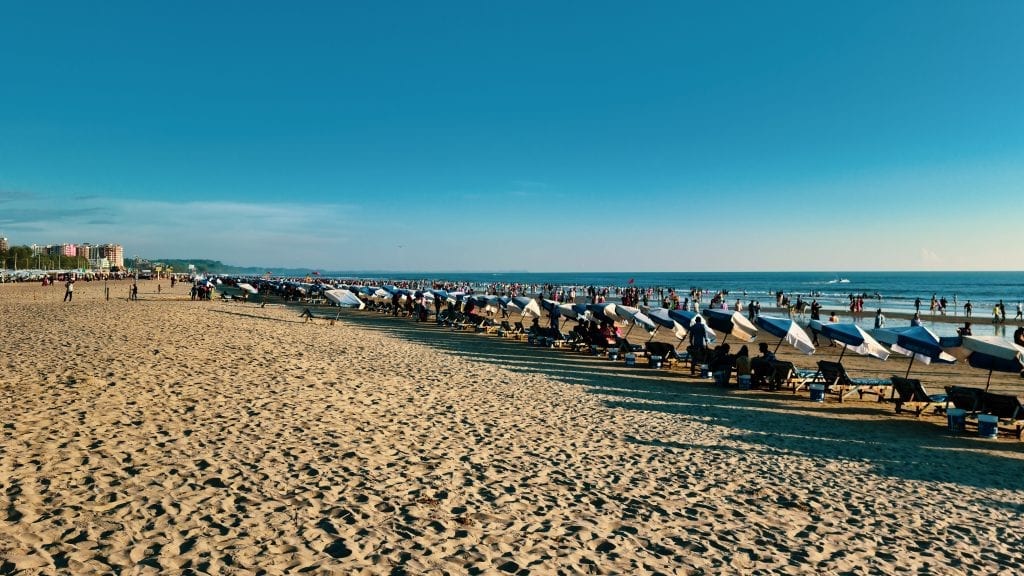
column 964, row 398
column 1008, row 408
column 783, row 374
column 911, row 394
column 837, row 381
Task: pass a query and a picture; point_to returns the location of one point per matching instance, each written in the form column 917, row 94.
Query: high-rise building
column 4, row 245
column 38, row 250
column 83, row 251
column 114, row 254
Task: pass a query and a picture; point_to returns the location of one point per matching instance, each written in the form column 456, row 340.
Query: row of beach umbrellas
column 990, row 353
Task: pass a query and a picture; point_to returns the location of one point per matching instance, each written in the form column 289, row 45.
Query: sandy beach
column 166, row 436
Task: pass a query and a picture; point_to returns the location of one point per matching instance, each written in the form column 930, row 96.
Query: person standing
column 1002, row 311
column 879, row 319
column 698, row 335
column 968, row 307
column 917, row 305
column 69, row 289
column 1020, row 312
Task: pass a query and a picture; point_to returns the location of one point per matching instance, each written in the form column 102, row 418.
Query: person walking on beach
column 968, row 307
column 879, row 319
column 134, row 295
column 69, row 289
column 1020, row 312
column 917, row 305
column 1002, row 311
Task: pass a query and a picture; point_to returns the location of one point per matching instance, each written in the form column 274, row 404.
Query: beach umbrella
column 852, row 337
column 344, row 298
column 602, row 312
column 528, row 307
column 248, row 288
column 685, row 317
column 635, row 318
column 660, row 316
column 921, row 343
column 730, row 323
column 991, row 353
column 787, row 331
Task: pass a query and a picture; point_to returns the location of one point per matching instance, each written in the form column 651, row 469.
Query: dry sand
column 169, row 436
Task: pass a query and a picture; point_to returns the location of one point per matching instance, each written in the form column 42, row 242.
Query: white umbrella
column 344, row 298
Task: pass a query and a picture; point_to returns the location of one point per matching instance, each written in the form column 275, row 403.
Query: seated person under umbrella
column 762, row 366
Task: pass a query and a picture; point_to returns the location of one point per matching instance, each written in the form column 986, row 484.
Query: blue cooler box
column 956, row 419
column 817, row 392
column 988, row 426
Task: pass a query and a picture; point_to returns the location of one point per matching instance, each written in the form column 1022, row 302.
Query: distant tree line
column 21, row 257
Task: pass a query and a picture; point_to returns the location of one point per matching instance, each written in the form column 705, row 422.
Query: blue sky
column 549, row 136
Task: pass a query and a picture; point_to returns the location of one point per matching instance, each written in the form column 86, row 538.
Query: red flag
column 630, row 281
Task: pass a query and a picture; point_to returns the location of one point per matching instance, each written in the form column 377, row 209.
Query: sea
column 890, row 291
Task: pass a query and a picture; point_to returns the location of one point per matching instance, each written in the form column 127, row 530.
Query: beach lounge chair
column 965, row 398
column 837, row 381
column 1006, row 407
column 784, row 374
column 626, row 347
column 911, row 394
column 668, row 354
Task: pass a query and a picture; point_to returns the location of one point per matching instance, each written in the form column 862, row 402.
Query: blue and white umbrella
column 787, row 331
column 920, row 343
column 635, row 318
column 852, row 337
column 991, row 353
column 730, row 323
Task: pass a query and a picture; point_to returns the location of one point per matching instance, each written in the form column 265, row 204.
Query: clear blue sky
column 540, row 136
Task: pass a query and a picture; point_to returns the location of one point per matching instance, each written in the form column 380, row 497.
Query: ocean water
column 891, row 290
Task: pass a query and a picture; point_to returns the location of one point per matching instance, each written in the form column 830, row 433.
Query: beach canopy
column 602, row 312
column 344, row 298
column 921, row 343
column 991, row 353
column 787, row 331
column 852, row 337
column 730, row 323
column 635, row 316
column 685, row 317
column 527, row 307
column 248, row 288
column 661, row 317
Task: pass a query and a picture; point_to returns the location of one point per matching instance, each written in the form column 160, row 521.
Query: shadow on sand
column 893, row 445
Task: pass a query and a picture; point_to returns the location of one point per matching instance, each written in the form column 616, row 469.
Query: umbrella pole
column 653, row 334
column 907, row 375
column 777, row 346
column 989, row 381
column 840, row 361
column 628, row 331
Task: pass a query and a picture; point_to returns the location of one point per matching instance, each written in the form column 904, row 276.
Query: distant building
column 4, row 245
column 38, row 250
column 114, row 253
column 83, row 251
column 101, row 264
